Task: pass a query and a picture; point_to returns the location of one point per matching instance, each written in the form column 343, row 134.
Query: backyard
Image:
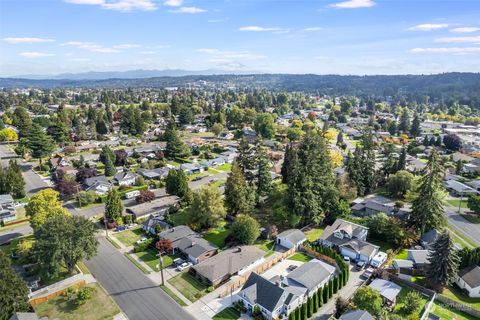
column 217, row 236
column 300, row 257
column 190, row 287
column 100, row 306
column 401, row 303
column 227, row 167
column 455, row 294
column 314, row 233
column 445, row 312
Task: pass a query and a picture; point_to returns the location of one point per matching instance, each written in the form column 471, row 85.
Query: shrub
column 412, row 302
column 83, row 295
column 143, row 246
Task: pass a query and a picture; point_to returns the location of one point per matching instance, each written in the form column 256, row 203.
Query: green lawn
column 129, row 237
column 190, row 287
column 217, row 236
column 300, row 257
column 179, row 218
column 229, row 313
column 173, row 295
column 150, row 257
column 314, row 233
column 196, row 175
column 99, row 307
column 456, row 202
column 455, row 294
column 447, row 313
column 401, row 255
column 211, row 170
column 265, row 245
column 400, row 303
column 227, row 167
column 217, row 184
column 384, row 246
column 461, row 239
column 11, row 247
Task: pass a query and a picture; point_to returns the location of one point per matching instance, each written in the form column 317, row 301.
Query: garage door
column 349, row 253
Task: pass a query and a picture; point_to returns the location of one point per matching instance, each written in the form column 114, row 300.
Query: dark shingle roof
column 309, row 274
column 471, row 275
column 356, row 315
column 259, row 290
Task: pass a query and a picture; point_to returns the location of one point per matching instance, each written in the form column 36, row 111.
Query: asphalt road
column 15, row 233
column 459, row 223
column 137, row 295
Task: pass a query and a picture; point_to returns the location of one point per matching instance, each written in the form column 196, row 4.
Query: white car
column 184, row 266
column 346, row 259
column 142, row 240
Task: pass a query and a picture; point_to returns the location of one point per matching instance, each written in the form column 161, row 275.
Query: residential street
column 459, row 223
column 10, row 234
column 136, row 294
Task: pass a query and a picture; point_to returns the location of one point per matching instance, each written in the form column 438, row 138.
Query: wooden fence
column 55, row 289
column 319, row 256
column 240, row 280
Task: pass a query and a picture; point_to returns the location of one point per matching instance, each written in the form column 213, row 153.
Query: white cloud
column 80, row 59
column 313, row 29
column 190, row 10
column 147, row 52
column 353, row 4
column 472, row 39
column 18, row 40
column 447, row 50
column 126, row 46
column 90, row 46
column 32, row 55
column 173, row 3
column 428, row 27
column 259, row 29
column 119, row 5
column 217, row 20
column 465, row 30
column 217, row 55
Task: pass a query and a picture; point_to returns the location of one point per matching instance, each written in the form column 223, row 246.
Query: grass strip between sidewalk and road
column 116, row 245
column 173, row 295
column 135, row 262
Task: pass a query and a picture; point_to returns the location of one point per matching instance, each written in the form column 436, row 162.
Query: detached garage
column 291, row 238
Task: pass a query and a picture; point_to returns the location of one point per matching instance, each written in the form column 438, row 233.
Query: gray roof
column 471, row 275
column 429, row 237
column 418, row 256
column 258, row 290
column 159, row 205
column 293, row 235
column 351, row 228
column 94, row 180
column 228, row 262
column 176, row 233
column 387, row 289
column 124, row 176
column 5, row 198
column 310, row 274
column 356, row 315
column 362, row 247
column 194, row 245
column 459, row 187
column 400, row 263
column 24, row 316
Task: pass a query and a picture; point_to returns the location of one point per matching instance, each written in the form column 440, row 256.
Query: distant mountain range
column 130, row 74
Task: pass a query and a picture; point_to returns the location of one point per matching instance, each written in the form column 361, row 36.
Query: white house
column 291, row 238
column 468, row 279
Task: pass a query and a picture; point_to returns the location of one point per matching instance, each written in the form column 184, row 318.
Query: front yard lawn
column 473, row 218
column 229, row 313
column 217, row 236
column 300, row 257
column 150, row 257
column 445, row 312
column 314, row 233
column 455, row 294
column 227, row 167
column 129, row 237
column 456, row 202
column 100, row 306
column 190, row 287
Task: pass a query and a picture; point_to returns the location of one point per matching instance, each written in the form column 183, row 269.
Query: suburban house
column 418, row 257
column 350, row 239
column 156, row 207
column 291, row 238
column 374, row 204
column 152, row 224
column 191, row 168
column 7, row 208
column 189, row 243
column 273, row 301
column 99, row 184
column 475, row 184
column 468, row 279
column 125, row 178
column 387, row 289
column 458, row 189
column 154, row 174
column 309, row 277
column 228, row 263
column 356, row 315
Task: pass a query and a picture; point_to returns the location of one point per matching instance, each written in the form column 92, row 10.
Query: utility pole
column 161, row 266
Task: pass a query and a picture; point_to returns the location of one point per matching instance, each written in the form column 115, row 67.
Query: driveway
column 133, row 291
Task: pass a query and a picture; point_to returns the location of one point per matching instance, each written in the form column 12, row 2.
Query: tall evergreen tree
column 239, row 196
column 427, row 207
column 113, row 205
column 263, row 176
column 39, row 142
column 402, row 160
column 246, row 159
column 415, row 129
column 107, row 153
column 15, row 180
column 14, row 297
column 404, row 123
column 340, row 139
column 175, row 148
column 110, row 169
column 443, row 261
column 361, row 166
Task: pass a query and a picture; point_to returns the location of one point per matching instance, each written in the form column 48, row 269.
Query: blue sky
column 292, row 36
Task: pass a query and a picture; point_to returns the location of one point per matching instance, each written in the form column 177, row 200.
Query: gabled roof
column 387, row 289
column 258, row 290
column 351, row 228
column 292, row 235
column 176, row 233
column 311, row 274
column 430, row 236
column 194, row 245
column 356, row 315
column 93, row 180
column 361, row 247
column 471, row 275
column 418, row 256
column 228, row 262
column 124, row 176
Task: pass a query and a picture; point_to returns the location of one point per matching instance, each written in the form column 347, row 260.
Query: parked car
column 291, row 267
column 142, row 240
column 184, row 266
column 346, row 259
column 360, row 265
column 177, row 262
column 120, row 228
column 368, row 273
column 197, row 178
